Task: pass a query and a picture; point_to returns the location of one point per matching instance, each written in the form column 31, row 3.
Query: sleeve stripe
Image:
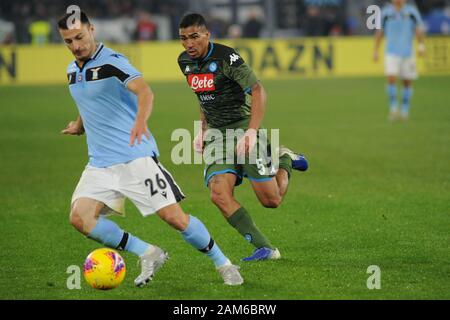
column 125, row 83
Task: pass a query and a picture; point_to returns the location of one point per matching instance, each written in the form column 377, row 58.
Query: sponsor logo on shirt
column 207, row 97
column 201, row 82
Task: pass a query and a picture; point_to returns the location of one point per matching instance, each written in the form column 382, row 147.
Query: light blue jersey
column 400, row 28
column 108, row 109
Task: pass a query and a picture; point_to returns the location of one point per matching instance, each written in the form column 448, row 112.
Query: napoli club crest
column 212, row 66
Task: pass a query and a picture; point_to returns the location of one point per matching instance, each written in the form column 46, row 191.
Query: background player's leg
column 392, row 94
column 222, row 186
column 85, row 217
column 406, row 98
column 195, row 233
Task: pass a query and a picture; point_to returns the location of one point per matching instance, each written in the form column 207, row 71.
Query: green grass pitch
column 377, row 193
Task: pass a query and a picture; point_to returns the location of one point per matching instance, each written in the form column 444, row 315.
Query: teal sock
column 198, row 236
column 286, row 164
column 392, row 94
column 407, row 94
column 135, row 245
column 109, row 234
column 243, row 223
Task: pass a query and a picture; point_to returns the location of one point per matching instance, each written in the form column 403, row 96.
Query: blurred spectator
column 116, row 19
column 252, row 28
column 145, row 29
column 40, row 29
column 315, row 24
column 21, row 19
column 217, row 27
column 6, row 32
column 40, row 32
column 351, row 25
column 438, row 21
column 234, row 31
column 336, row 30
column 334, row 22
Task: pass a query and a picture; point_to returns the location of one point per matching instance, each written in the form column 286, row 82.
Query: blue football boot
column 264, row 254
column 299, row 161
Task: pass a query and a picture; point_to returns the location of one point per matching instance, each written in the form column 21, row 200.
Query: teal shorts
column 220, row 158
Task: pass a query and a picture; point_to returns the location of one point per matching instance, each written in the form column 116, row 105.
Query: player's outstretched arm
column 145, row 106
column 259, row 101
column 258, row 109
column 420, row 31
column 378, row 38
column 74, row 128
column 420, row 34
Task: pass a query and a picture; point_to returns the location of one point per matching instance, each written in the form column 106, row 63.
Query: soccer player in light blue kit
column 401, row 22
column 115, row 103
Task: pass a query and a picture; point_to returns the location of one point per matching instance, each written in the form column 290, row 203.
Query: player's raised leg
column 221, row 187
column 268, row 192
column 271, row 191
column 195, row 233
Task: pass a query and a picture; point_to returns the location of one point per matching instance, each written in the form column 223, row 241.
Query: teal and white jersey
column 108, row 109
column 400, row 28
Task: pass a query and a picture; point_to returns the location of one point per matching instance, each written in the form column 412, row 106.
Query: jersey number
column 160, row 183
column 260, row 166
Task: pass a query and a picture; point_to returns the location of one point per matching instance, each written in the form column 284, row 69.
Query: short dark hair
column 193, row 19
column 62, row 22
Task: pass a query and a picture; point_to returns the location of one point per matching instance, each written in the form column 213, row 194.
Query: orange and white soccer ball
column 104, row 269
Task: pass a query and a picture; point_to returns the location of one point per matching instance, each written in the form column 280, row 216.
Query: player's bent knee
column 216, row 198
column 82, row 220
column 76, row 221
column 271, row 202
column 219, row 195
column 220, row 199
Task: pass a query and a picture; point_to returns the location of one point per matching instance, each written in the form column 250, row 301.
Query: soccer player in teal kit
column 115, row 103
column 401, row 22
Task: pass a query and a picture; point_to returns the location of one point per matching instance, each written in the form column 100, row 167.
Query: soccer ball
column 104, row 269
